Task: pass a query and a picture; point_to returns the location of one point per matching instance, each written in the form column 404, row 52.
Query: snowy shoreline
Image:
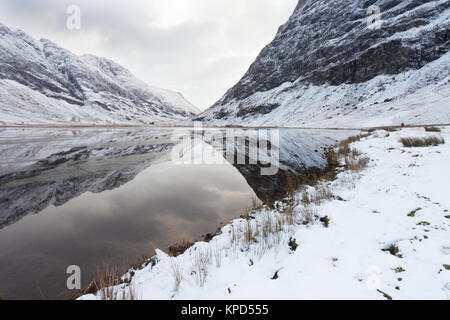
column 382, row 234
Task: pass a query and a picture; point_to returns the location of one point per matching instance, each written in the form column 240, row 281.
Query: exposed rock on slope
column 41, row 82
column 326, row 66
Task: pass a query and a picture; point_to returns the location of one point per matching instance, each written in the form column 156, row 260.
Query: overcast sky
column 198, row 47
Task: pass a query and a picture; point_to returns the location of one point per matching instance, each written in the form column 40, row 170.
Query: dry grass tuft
column 332, row 158
column 308, row 215
column 349, row 180
column 322, row 194
column 256, row 205
column 389, row 129
column 217, row 256
column 393, row 250
column 111, row 287
column 266, row 226
column 421, row 142
column 177, row 274
column 306, row 200
column 200, row 266
column 249, row 232
column 289, row 212
column 234, row 236
column 355, row 153
column 344, row 149
column 356, row 164
column 107, row 279
column 432, row 129
column 345, row 143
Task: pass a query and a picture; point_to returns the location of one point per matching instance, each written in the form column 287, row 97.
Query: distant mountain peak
column 41, row 82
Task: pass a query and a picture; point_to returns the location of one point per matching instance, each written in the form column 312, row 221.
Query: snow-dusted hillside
column 326, row 68
column 41, row 82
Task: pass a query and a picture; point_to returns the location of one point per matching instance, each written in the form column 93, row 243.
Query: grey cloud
column 202, row 55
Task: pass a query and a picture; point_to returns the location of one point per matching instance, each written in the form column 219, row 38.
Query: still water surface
column 88, row 197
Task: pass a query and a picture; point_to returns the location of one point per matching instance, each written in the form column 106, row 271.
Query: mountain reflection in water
column 88, row 196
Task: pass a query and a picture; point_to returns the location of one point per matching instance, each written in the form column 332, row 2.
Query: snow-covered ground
column 401, row 201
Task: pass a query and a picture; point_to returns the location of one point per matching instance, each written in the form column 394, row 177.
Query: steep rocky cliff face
column 326, row 62
column 41, row 82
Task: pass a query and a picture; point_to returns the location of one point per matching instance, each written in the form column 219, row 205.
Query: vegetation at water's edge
column 262, row 227
column 421, row 142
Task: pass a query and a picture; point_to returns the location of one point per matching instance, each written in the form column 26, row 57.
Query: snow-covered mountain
column 41, row 82
column 327, row 67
